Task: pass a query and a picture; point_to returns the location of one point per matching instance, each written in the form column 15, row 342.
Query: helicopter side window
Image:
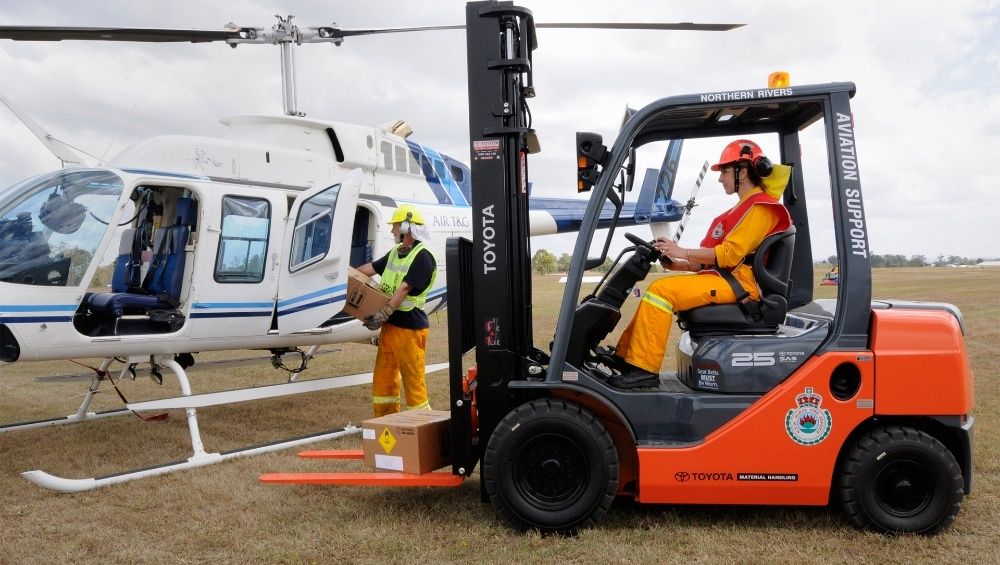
column 50, row 226
column 313, row 228
column 243, row 245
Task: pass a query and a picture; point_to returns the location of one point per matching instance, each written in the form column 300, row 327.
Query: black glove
column 376, row 320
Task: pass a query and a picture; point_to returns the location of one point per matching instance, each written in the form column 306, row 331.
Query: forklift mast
column 492, row 274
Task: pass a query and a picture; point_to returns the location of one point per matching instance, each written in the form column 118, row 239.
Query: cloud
column 926, row 107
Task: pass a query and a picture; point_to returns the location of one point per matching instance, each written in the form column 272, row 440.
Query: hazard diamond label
column 387, row 440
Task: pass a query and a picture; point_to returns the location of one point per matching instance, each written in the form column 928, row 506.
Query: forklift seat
column 772, row 266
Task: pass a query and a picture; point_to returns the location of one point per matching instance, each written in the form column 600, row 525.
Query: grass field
column 223, row 514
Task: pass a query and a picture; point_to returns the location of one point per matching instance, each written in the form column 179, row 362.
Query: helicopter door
column 312, row 284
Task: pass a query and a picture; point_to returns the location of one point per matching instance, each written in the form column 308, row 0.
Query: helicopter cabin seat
column 158, row 295
column 772, row 266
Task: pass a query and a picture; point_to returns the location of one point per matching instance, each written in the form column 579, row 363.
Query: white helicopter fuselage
column 275, row 164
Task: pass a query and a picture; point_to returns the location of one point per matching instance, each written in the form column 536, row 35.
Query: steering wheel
column 641, row 242
column 648, row 245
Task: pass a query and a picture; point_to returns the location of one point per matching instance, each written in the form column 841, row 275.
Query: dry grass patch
column 223, row 514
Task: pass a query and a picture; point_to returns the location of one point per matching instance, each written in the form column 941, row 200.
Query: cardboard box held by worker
column 364, row 296
column 414, row 441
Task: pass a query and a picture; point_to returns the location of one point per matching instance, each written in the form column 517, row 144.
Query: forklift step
column 435, row 479
column 333, row 454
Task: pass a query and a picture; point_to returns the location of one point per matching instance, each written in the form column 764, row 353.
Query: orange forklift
column 794, row 401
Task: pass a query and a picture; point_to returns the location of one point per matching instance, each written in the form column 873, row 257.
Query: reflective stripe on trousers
column 645, row 339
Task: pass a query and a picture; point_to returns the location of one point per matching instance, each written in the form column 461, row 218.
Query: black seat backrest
column 166, row 273
column 126, row 273
column 772, row 264
column 772, row 267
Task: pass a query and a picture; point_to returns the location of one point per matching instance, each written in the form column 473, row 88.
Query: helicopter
column 183, row 244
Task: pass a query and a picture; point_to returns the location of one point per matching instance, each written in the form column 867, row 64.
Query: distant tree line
column 545, row 263
column 891, row 260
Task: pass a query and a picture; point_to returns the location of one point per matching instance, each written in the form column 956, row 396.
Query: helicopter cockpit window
column 313, row 227
column 243, row 244
column 50, row 226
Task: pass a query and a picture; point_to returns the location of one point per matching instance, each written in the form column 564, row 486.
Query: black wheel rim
column 551, row 471
column 904, row 488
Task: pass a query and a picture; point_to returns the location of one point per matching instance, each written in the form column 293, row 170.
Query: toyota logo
column 682, row 476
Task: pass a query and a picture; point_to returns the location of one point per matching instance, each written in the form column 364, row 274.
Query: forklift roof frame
column 786, row 112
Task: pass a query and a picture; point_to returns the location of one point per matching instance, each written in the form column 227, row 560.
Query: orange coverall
column 645, row 339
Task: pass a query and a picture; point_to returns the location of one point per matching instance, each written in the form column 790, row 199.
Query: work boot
column 634, row 377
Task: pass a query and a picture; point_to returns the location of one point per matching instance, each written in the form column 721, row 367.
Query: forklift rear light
column 590, row 152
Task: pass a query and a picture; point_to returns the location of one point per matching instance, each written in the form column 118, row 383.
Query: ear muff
column 404, row 227
column 761, row 164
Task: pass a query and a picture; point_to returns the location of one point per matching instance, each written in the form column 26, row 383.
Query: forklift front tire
column 551, row 466
column 897, row 479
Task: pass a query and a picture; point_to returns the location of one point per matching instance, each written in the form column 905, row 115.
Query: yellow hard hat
column 407, row 213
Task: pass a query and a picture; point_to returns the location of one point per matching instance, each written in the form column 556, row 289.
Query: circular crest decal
column 808, row 424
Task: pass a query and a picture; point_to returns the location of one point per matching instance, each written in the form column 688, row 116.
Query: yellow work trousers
column 645, row 338
column 400, row 353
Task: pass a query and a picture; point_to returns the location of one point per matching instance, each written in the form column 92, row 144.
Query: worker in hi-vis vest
column 408, row 271
column 733, row 236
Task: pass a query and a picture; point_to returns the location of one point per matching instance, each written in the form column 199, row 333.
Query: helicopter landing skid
column 82, row 414
column 189, row 403
column 199, row 459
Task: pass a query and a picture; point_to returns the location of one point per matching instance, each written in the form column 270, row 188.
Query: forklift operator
column 408, row 271
column 731, row 239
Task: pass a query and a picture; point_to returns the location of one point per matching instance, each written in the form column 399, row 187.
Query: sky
column 927, row 108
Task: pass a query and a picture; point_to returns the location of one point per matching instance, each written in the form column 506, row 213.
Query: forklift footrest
column 435, row 479
column 333, row 454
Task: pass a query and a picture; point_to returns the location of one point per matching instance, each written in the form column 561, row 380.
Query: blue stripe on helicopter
column 37, row 308
column 444, row 175
column 212, row 305
column 323, row 292
column 318, row 303
column 196, row 315
column 444, row 188
column 34, row 319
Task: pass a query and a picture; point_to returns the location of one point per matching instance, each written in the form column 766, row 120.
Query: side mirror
column 630, row 170
column 590, row 153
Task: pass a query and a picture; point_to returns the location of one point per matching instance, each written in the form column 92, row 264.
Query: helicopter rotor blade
column 336, row 32
column 237, row 35
column 150, row 35
column 681, row 26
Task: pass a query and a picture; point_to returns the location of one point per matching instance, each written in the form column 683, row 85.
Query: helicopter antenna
column 128, row 116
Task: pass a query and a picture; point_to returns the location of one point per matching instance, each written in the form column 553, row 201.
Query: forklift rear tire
column 897, row 479
column 551, row 466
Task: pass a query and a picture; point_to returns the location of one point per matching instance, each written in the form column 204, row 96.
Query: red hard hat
column 739, row 150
